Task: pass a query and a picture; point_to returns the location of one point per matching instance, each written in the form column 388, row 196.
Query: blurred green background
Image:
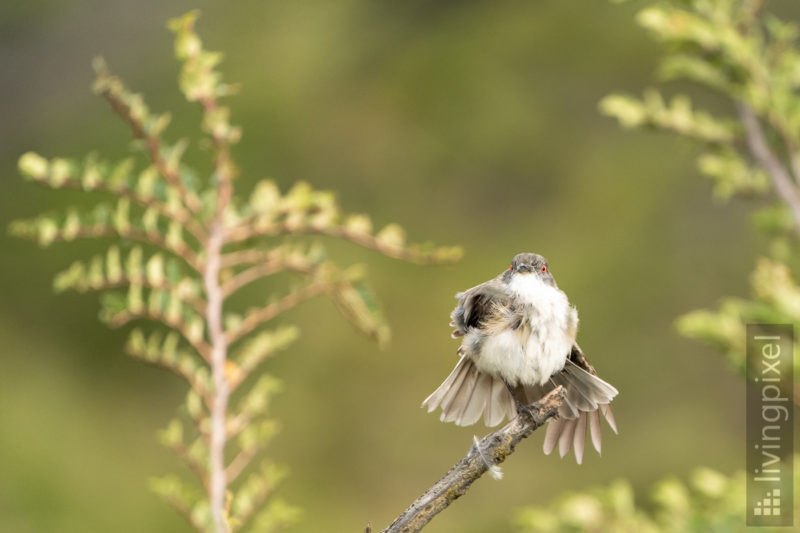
column 471, row 123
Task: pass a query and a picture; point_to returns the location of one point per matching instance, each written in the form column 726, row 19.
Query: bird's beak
column 524, row 268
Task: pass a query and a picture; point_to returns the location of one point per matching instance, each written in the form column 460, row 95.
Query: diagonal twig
column 245, row 231
column 493, row 448
column 123, row 317
column 262, row 270
column 784, row 185
column 270, row 311
column 153, row 149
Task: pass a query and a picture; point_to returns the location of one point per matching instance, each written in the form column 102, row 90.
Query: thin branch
column 792, row 148
column 123, row 317
column 259, row 271
column 237, row 424
column 180, row 216
column 247, row 276
column 270, row 311
column 219, row 352
column 196, row 467
column 243, row 368
column 176, row 368
column 242, row 519
column 185, row 252
column 240, row 462
column 153, row 148
column 784, row 185
column 202, row 423
column 185, row 511
column 491, row 450
column 224, row 172
column 243, row 257
column 244, row 231
column 196, row 302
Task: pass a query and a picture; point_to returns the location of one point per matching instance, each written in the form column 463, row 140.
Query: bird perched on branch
column 518, row 343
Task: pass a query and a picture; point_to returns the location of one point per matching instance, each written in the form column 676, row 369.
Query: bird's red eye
column 544, row 269
column 511, row 267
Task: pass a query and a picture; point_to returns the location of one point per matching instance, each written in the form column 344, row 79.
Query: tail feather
column 591, row 385
column 499, row 405
column 473, row 408
column 435, row 399
column 574, row 401
column 468, row 393
column 566, row 438
column 594, row 430
column 552, row 434
column 579, row 442
column 451, row 391
column 606, row 410
column 587, row 395
column 461, row 397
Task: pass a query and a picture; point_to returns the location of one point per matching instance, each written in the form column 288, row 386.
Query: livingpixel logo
column 769, row 505
column 770, row 425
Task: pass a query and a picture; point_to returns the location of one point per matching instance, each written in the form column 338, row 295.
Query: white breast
column 532, row 354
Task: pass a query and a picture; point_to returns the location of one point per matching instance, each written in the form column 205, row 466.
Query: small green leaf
column 122, row 221
column 393, row 236
column 95, row 277
column 60, row 171
column 175, row 236
column 145, row 185
column 71, row 278
column 174, row 308
column 113, row 265
column 137, row 342
column 173, row 434
column 155, row 270
column 33, row 166
column 358, row 224
column 194, row 404
column 133, row 265
column 170, row 346
column 153, row 347
column 47, row 230
column 118, row 179
column 135, row 298
column 265, row 197
column 195, row 327
column 72, row 225
column 92, row 174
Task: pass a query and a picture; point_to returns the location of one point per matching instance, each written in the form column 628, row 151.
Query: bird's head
column 529, row 264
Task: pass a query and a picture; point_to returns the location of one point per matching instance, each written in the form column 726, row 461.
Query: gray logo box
column 770, row 425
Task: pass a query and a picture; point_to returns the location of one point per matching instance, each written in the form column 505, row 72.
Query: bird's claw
column 526, row 411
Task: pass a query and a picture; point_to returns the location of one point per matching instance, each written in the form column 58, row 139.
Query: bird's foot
column 523, row 410
column 526, row 411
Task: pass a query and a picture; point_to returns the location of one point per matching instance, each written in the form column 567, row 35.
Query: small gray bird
column 518, row 344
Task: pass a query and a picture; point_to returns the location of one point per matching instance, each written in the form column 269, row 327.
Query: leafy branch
column 710, row 501
column 751, row 59
column 187, row 244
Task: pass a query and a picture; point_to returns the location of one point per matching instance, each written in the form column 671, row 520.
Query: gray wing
column 467, row 393
column 481, row 307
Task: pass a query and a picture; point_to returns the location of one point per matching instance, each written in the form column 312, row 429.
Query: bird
column 518, row 342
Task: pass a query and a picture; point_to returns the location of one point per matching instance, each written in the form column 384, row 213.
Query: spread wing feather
column 480, row 307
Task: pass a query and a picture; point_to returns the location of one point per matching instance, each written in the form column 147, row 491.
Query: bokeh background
column 471, row 123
